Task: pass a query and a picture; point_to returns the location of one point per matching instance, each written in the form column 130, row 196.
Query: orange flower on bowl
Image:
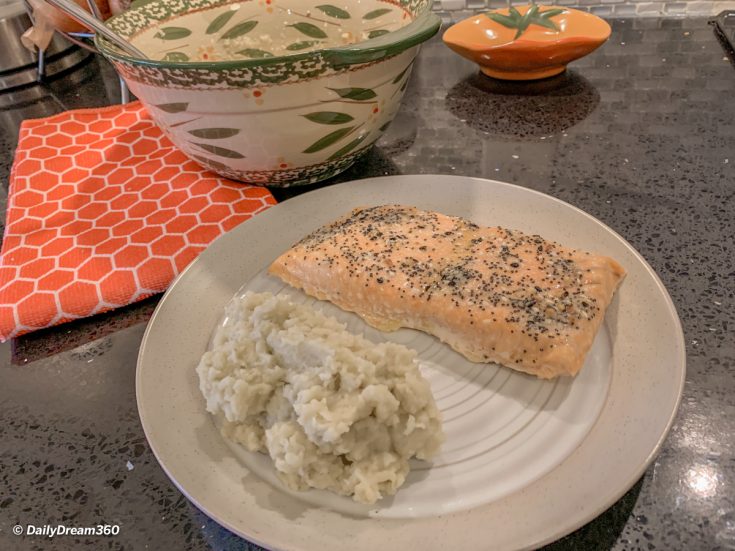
column 528, row 42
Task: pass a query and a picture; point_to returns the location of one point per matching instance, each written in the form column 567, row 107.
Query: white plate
column 525, row 461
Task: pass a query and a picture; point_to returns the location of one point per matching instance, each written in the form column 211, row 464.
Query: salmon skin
column 491, row 293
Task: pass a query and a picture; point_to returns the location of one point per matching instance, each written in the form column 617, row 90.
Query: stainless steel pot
column 18, row 66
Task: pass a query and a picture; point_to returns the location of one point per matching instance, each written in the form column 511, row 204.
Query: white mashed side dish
column 332, row 409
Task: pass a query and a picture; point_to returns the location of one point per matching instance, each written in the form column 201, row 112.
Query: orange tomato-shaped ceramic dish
column 527, row 42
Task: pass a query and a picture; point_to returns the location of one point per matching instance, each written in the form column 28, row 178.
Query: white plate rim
column 531, row 539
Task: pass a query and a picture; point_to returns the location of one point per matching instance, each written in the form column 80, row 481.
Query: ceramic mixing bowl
column 277, row 92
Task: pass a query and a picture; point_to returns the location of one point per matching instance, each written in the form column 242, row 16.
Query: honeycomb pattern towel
column 104, row 211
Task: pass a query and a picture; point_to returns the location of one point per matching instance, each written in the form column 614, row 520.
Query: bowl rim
column 424, row 25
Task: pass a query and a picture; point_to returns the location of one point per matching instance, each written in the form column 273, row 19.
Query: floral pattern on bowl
column 528, row 42
column 272, row 113
column 258, row 29
column 323, row 136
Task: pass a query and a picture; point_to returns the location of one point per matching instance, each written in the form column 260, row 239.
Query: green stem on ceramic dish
column 374, row 28
column 400, row 75
column 398, row 79
column 401, row 88
column 181, row 123
column 305, row 16
column 521, row 22
column 174, row 48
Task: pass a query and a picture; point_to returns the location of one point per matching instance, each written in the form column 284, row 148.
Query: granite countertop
column 640, row 134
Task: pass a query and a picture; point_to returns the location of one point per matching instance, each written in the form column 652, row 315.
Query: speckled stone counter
column 641, row 134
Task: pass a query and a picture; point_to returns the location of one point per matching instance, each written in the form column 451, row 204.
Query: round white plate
column 525, row 461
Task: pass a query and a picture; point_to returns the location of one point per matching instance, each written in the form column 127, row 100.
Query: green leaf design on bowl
column 220, row 151
column 376, row 13
column 240, row 29
column 357, row 94
column 333, row 11
column 378, row 32
column 220, row 21
column 301, row 45
column 521, row 22
column 214, row 133
column 254, row 53
column 400, row 75
column 176, row 56
column 173, row 107
column 309, row 30
column 329, row 117
column 172, row 33
column 544, row 19
column 329, row 139
column 349, row 147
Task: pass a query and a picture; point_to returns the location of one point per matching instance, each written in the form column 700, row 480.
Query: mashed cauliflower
column 332, row 409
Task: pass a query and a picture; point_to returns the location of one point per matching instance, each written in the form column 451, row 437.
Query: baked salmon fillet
column 492, row 294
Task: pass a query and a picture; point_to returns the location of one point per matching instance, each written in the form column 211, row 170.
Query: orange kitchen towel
column 104, row 211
